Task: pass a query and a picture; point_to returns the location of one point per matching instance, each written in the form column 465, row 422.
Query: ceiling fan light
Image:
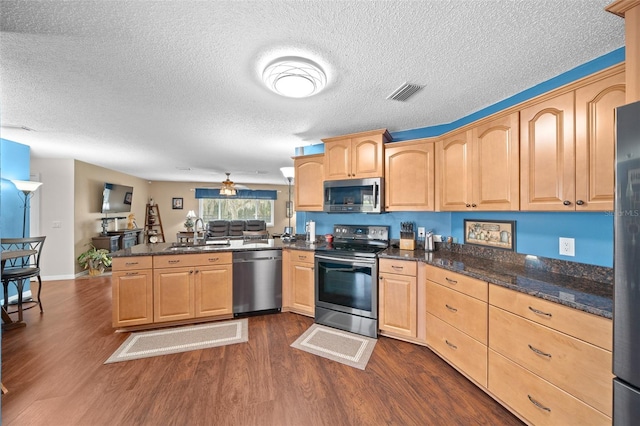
column 294, row 77
column 227, row 188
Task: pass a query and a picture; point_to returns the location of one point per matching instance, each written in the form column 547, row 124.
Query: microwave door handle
column 376, row 194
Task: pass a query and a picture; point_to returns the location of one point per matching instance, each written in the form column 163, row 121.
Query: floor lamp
column 28, row 188
column 288, row 173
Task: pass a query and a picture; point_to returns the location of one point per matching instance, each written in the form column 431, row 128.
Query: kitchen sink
column 182, row 247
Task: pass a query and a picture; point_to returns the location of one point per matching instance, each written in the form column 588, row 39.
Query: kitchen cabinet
column 299, row 282
column 132, row 291
column 563, row 170
column 409, row 176
column 355, row 156
column 397, row 297
column 457, row 323
column 549, row 362
column 309, row 190
column 477, row 169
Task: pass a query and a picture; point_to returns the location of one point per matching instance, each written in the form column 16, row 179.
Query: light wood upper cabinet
column 355, row 156
column 309, row 173
column 409, row 176
column 563, row 171
column 595, row 142
column 478, row 169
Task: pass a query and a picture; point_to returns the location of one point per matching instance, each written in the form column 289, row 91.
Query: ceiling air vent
column 404, row 92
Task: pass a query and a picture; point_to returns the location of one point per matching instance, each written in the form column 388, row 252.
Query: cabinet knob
column 579, row 202
column 474, row 205
column 467, row 205
column 566, row 202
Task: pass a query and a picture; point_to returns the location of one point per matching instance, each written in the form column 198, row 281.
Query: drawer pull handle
column 539, row 312
column 451, row 308
column 301, row 257
column 537, row 404
column 131, row 263
column 174, row 261
column 397, row 267
column 451, row 345
column 131, row 273
column 213, row 259
column 539, row 352
column 450, row 280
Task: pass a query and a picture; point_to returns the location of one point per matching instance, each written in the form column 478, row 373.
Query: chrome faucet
column 195, row 231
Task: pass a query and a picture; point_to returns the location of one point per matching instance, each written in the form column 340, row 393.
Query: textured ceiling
column 151, row 88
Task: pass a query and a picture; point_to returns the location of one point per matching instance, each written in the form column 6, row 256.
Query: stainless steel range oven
column 346, row 278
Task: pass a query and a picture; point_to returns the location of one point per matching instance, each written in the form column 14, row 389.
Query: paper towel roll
column 312, row 231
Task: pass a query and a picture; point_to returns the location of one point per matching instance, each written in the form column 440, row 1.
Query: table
column 186, row 237
column 4, row 256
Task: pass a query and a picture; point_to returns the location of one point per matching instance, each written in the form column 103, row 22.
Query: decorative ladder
column 153, row 224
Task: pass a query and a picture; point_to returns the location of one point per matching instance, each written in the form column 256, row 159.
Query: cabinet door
column 309, row 190
column 453, row 170
column 496, row 170
column 302, row 288
column 173, row 294
column 409, row 177
column 213, row 290
column 595, row 142
column 398, row 304
column 132, row 293
column 337, row 159
column 547, row 157
column 367, row 159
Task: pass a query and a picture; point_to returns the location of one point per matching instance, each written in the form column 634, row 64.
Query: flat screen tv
column 116, row 198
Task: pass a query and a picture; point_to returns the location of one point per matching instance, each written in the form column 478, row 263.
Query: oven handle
column 351, row 261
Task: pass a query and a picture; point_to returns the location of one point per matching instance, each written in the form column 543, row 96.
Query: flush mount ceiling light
column 294, row 77
column 227, row 187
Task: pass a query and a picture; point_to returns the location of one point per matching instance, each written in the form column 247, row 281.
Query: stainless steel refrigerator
column 626, row 302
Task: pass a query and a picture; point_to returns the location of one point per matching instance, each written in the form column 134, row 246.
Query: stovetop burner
column 358, row 240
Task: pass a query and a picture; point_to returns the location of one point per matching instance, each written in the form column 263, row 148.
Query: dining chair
column 20, row 270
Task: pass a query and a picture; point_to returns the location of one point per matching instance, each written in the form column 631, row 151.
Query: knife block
column 407, row 241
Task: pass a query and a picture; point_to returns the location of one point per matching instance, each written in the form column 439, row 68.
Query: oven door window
column 346, row 287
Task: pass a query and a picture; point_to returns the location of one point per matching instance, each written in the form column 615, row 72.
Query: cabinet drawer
column 129, row 263
column 461, row 311
column 469, row 355
column 535, row 399
column 400, row 267
column 590, row 328
column 467, row 285
column 301, row 256
column 180, row 260
column 582, row 369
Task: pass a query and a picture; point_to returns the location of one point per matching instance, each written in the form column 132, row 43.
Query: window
column 236, row 209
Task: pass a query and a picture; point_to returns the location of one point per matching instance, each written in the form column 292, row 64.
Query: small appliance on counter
column 429, row 244
column 407, row 236
column 311, row 232
column 288, row 234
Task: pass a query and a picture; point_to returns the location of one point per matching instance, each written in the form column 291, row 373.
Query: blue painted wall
column 14, row 164
column 536, row 233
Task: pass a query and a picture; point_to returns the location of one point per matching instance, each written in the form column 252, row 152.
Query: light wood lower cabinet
column 132, row 291
column 535, row 399
column 561, row 348
column 171, row 288
column 298, row 290
column 397, row 297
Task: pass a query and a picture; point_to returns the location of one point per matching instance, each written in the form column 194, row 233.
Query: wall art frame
column 176, row 203
column 499, row 234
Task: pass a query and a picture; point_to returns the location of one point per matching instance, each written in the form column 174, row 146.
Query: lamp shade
column 288, row 172
column 191, row 214
column 26, row 186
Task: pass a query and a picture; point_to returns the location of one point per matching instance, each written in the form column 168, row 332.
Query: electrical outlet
column 421, row 232
column 567, row 246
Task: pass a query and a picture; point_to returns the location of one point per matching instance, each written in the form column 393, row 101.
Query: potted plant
column 96, row 260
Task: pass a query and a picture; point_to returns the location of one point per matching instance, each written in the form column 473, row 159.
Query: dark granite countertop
column 161, row 249
column 585, row 294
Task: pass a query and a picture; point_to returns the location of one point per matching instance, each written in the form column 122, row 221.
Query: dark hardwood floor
column 55, row 374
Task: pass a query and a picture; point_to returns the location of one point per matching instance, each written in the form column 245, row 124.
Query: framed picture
column 495, row 233
column 127, row 198
column 176, row 203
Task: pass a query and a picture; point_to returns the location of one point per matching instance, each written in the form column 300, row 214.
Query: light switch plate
column 421, row 232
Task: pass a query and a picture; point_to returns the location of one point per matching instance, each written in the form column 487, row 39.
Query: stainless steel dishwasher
column 257, row 281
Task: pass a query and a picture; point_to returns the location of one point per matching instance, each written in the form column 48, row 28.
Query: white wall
column 56, row 206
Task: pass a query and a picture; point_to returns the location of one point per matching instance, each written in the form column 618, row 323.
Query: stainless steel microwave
column 354, row 196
